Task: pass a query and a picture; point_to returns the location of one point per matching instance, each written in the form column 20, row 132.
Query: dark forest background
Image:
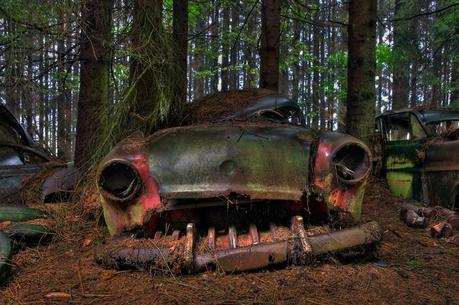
column 150, row 57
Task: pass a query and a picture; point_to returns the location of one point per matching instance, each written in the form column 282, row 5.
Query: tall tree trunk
column 284, row 78
column 322, row 101
column 415, row 54
column 62, row 145
column 296, row 65
column 146, row 35
column 380, row 69
column 41, row 108
column 250, row 51
column 402, row 65
column 215, row 28
column 437, row 58
column 360, row 110
column 11, row 72
column 198, row 63
column 436, row 86
column 269, row 53
column 94, row 76
column 234, row 71
column 29, row 99
column 454, row 100
column 315, row 75
column 225, row 47
column 180, row 38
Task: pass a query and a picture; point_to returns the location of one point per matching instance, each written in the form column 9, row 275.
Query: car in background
column 420, row 154
column 22, row 160
column 234, row 188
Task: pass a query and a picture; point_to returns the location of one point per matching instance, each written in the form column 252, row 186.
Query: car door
column 404, row 137
column 18, row 157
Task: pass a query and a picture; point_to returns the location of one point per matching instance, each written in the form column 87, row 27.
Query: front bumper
column 232, row 252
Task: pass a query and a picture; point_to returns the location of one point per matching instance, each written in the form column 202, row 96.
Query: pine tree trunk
column 402, row 66
column 360, row 110
column 454, row 99
column 414, row 30
column 215, row 29
column 436, row 86
column 143, row 71
column 11, row 73
column 322, row 102
column 296, row 65
column 62, row 148
column 250, row 52
column 234, row 73
column 269, row 53
column 225, row 48
column 198, row 63
column 180, row 39
column 284, row 79
column 315, row 75
column 94, row 76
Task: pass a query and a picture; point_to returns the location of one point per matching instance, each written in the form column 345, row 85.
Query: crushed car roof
column 7, row 118
column 235, row 104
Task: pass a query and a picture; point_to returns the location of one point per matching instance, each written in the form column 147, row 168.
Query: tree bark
column 251, row 50
column 225, row 48
column 180, row 38
column 63, row 149
column 360, row 107
column 402, row 65
column 297, row 31
column 11, row 73
column 454, row 99
column 215, row 29
column 269, row 53
column 94, row 76
column 198, row 62
column 234, row 72
column 144, row 69
column 415, row 54
column 315, row 74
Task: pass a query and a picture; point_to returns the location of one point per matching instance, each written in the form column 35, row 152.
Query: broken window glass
column 404, row 127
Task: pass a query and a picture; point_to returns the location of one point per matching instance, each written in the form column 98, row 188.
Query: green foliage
column 414, row 264
column 383, row 54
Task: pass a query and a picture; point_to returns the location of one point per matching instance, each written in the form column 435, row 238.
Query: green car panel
column 425, row 168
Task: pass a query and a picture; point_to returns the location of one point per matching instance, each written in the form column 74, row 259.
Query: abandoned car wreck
column 234, row 190
column 21, row 158
column 420, row 159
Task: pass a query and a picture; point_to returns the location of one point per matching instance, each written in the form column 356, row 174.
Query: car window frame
column 385, row 123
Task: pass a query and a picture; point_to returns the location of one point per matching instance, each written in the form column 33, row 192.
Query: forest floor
column 412, row 268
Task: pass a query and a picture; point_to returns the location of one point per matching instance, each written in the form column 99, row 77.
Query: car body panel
column 425, row 169
column 21, row 158
column 203, row 162
column 232, row 162
column 200, row 194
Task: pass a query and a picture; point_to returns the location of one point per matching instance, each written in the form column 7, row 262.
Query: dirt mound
column 218, row 105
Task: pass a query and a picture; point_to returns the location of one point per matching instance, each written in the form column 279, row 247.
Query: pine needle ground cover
column 412, row 268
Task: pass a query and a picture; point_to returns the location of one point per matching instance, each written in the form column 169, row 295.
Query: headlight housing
column 118, row 180
column 352, row 163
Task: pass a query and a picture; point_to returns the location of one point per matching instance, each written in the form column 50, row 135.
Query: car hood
column 260, row 162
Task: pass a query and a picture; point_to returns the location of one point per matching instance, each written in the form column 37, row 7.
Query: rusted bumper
column 233, row 252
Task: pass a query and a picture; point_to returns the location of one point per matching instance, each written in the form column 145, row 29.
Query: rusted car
column 234, row 190
column 420, row 154
column 21, row 158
